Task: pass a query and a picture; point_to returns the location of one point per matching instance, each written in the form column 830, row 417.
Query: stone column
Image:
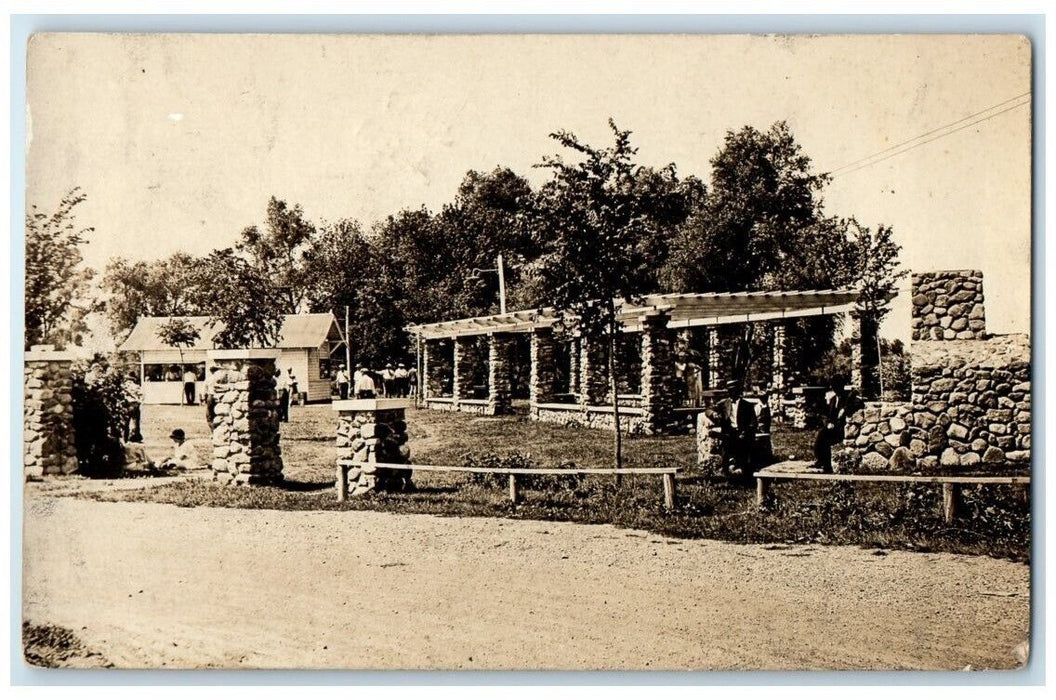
column 372, row 431
column 573, row 366
column 462, row 366
column 500, row 359
column 426, row 393
column 246, row 446
column 713, row 358
column 779, row 380
column 593, row 372
column 658, row 369
column 47, row 430
column 544, row 371
column 856, row 352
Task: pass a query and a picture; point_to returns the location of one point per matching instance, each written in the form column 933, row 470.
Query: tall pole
column 348, row 344
column 502, row 286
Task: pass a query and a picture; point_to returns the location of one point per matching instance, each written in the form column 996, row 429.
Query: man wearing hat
column 388, row 381
column 341, row 379
column 183, row 455
column 400, row 378
column 365, row 385
column 738, row 424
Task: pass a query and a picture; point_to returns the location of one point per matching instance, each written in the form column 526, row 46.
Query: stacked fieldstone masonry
column 48, row 413
column 971, row 400
column 370, row 431
column 246, row 425
column 948, row 305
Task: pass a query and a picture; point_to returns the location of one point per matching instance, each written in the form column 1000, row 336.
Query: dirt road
column 151, row 585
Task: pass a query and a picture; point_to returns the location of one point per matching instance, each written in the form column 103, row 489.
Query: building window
column 324, row 368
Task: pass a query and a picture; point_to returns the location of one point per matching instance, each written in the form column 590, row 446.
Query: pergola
column 658, row 318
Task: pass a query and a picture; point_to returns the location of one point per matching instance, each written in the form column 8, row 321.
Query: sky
column 179, row 140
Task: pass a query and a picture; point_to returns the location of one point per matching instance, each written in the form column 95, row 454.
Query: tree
column 876, row 260
column 279, row 251
column 57, row 286
column 593, row 229
column 156, row 288
column 242, row 302
column 178, row 333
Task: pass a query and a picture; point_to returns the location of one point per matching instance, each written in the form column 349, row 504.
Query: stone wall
column 948, row 305
column 370, row 431
column 971, row 405
column 631, row 419
column 500, row 360
column 246, row 446
column 657, row 375
column 47, row 433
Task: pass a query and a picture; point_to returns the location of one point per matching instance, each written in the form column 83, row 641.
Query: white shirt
column 364, row 383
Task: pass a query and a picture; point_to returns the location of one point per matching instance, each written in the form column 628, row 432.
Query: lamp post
column 499, row 268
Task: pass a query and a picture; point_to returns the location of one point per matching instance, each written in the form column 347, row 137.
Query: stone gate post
column 47, row 433
column 370, row 431
column 246, row 425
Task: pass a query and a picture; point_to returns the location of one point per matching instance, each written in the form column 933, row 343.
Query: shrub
column 538, row 482
column 99, row 412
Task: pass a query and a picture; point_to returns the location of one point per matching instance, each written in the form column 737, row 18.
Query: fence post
column 951, row 495
column 342, row 483
column 514, row 496
column 669, row 491
column 762, row 491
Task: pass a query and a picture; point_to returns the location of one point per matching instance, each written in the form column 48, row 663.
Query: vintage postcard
column 517, row 352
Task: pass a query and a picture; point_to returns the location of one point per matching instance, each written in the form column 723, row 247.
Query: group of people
column 397, row 381
column 183, row 455
column 742, row 427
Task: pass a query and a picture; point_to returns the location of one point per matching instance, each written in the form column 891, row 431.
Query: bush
column 99, row 413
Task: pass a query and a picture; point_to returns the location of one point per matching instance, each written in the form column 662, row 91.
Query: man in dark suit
column 832, row 430
column 737, row 423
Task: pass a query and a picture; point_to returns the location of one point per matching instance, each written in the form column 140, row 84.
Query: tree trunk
column 618, row 437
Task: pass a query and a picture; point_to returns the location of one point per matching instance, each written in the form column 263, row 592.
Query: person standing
column 133, row 402
column 836, row 405
column 293, row 384
column 282, row 393
column 189, row 378
column 341, row 379
column 412, row 381
column 365, row 388
column 388, row 385
column 400, row 380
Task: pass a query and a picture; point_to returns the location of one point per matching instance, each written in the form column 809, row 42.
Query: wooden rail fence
column 951, row 485
column 667, row 474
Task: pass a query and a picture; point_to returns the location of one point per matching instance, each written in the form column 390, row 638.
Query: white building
column 311, row 344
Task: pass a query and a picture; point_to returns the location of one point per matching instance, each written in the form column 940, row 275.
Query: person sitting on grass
column 183, row 455
column 136, row 457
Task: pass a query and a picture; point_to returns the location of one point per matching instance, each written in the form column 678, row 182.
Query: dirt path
column 152, row 585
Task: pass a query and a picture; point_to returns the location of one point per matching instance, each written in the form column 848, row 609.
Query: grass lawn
column 996, row 522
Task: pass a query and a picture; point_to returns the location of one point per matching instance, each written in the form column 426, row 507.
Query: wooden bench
column 667, row 473
column 951, row 485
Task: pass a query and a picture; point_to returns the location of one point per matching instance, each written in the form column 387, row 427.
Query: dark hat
column 135, row 437
column 178, row 434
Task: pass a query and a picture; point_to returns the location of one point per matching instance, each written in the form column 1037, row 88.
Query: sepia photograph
column 518, row 352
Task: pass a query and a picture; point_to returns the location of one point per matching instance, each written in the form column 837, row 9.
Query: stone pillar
column 500, row 359
column 948, row 305
column 246, row 446
column 714, row 380
column 779, row 380
column 544, row 371
column 47, row 429
column 593, row 373
column 426, row 393
column 658, row 369
column 372, row 431
column 856, row 351
column 462, row 367
column 573, row 366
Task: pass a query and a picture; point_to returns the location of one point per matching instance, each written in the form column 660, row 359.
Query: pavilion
column 451, row 355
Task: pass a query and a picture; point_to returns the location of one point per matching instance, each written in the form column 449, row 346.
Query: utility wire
column 914, row 142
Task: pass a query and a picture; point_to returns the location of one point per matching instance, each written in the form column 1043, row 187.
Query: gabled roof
column 298, row 331
column 685, row 311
